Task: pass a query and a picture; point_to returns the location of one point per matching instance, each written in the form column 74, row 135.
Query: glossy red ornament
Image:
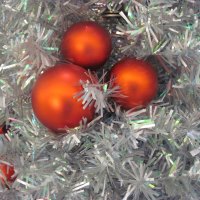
column 137, row 80
column 7, row 173
column 86, row 44
column 53, row 99
column 4, row 128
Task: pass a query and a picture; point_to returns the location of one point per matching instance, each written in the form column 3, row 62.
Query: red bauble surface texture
column 137, row 81
column 4, row 128
column 53, row 99
column 7, row 173
column 86, row 44
column 2, row 131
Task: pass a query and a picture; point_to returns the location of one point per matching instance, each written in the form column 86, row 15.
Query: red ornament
column 53, row 99
column 86, row 44
column 7, row 173
column 137, row 80
column 4, row 128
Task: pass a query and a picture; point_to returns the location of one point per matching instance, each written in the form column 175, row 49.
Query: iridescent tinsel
column 150, row 154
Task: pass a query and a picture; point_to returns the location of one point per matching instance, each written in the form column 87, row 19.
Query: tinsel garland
column 150, row 154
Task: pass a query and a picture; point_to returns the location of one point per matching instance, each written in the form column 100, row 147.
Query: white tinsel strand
column 98, row 94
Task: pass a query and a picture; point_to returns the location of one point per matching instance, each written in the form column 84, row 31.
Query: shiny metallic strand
column 148, row 154
column 97, row 94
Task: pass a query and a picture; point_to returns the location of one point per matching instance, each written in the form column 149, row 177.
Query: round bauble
column 53, row 99
column 7, row 173
column 4, row 128
column 137, row 82
column 86, row 44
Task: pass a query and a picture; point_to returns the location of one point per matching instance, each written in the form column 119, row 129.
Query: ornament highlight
column 137, row 81
column 53, row 99
column 86, row 44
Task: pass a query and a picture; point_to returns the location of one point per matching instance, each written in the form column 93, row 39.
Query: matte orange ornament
column 7, row 173
column 86, row 44
column 137, row 80
column 53, row 99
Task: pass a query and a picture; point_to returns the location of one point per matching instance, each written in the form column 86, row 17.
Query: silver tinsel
column 150, row 154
